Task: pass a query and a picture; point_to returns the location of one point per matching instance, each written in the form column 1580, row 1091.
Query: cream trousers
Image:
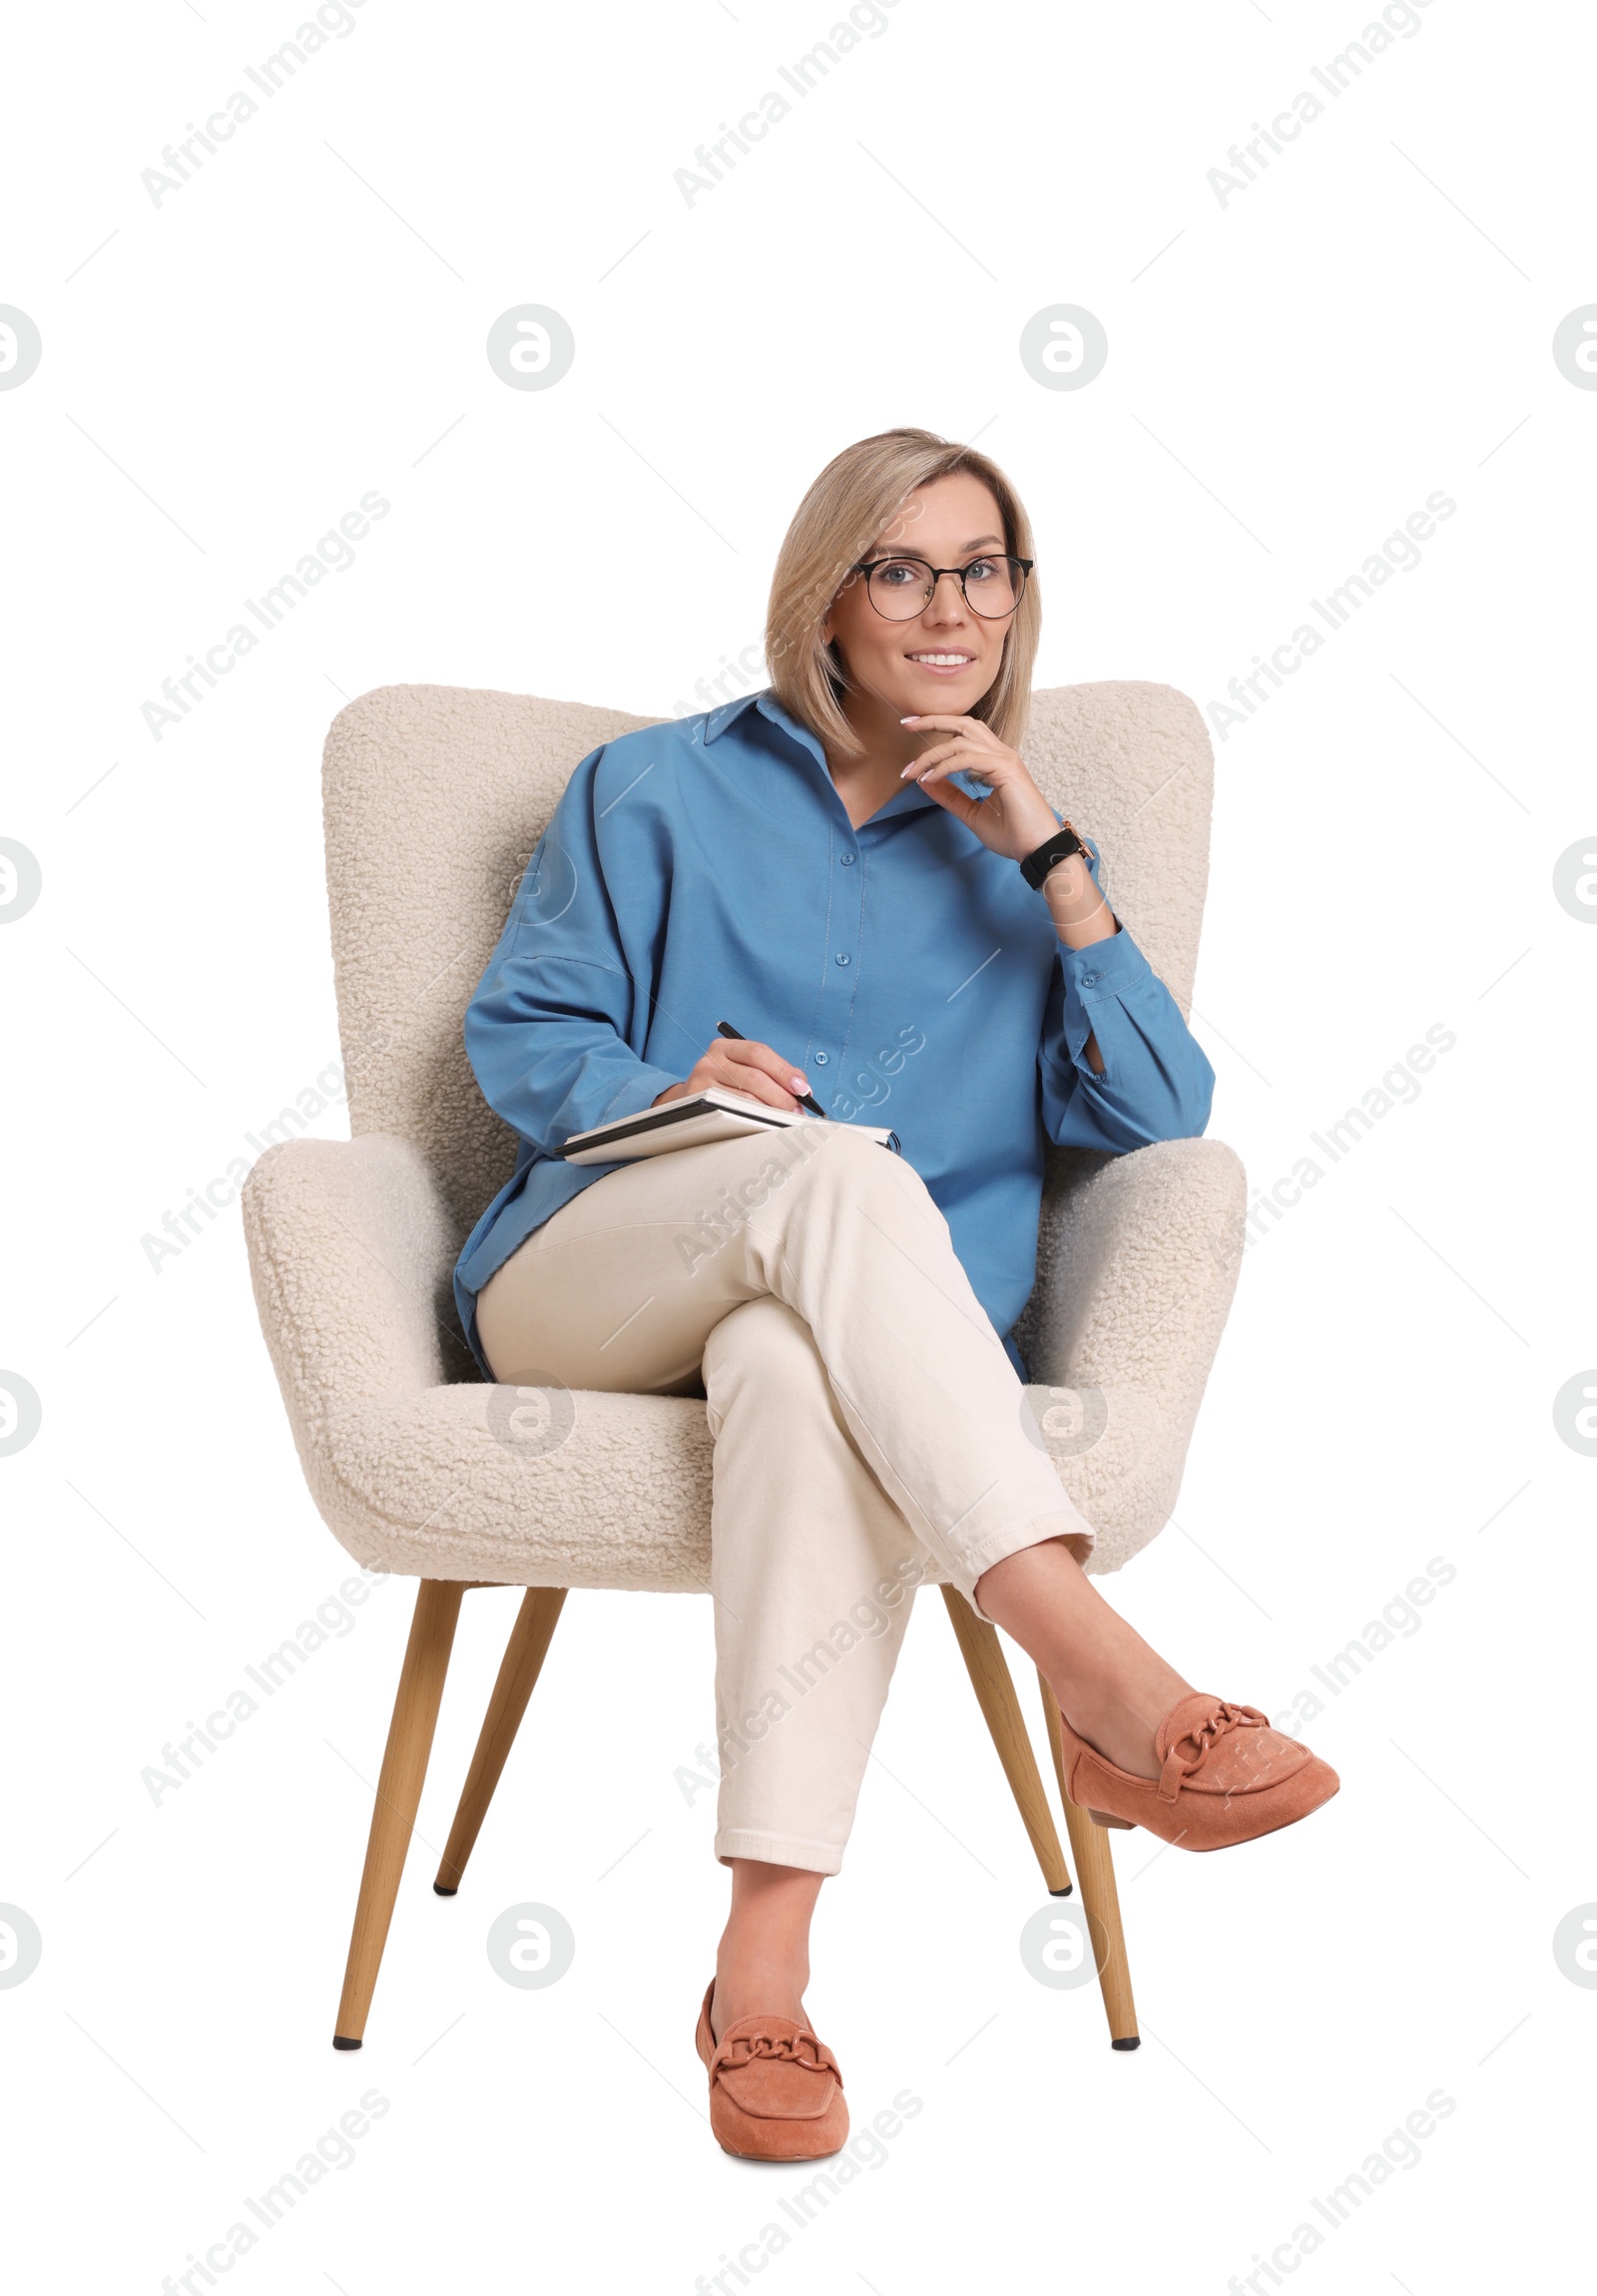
column 866, row 1420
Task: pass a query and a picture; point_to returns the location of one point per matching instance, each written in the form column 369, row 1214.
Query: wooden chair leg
column 995, row 1693
column 404, row 1767
column 1090, row 1845
column 518, row 1673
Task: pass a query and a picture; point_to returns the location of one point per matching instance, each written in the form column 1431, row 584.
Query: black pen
column 805, row 1100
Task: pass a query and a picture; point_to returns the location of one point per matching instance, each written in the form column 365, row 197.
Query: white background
column 1290, row 375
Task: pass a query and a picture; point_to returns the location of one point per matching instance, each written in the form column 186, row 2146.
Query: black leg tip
column 1068, row 1891
column 340, row 2041
column 439, row 1890
column 1132, row 2041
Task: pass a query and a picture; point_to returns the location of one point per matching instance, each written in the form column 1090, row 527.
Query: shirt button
column 849, row 860
column 820, row 1059
column 842, row 960
column 1088, row 980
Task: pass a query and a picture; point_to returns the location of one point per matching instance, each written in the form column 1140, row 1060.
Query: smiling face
column 947, row 657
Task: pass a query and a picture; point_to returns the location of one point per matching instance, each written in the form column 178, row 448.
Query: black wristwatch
column 1059, row 847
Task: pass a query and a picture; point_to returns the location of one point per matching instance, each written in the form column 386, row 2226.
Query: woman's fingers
column 952, row 758
column 754, row 1068
column 753, row 1083
column 741, row 1066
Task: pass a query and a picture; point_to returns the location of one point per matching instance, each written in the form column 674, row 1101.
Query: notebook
column 694, row 1121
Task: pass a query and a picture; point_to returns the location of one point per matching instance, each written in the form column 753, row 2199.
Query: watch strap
column 1048, row 855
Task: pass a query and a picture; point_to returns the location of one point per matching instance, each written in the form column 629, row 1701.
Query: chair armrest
column 1137, row 1264
column 351, row 1250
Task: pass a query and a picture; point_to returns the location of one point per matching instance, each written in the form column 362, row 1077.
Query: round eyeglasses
column 901, row 588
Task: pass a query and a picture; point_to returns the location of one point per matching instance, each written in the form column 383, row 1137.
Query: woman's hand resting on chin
column 1016, row 818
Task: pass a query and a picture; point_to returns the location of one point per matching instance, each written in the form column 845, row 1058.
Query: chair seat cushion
column 545, row 1488
column 524, row 1487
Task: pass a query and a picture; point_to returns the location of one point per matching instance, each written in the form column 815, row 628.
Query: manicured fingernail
column 798, row 1084
column 914, row 720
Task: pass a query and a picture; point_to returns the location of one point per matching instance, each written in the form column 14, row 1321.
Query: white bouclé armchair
column 434, row 799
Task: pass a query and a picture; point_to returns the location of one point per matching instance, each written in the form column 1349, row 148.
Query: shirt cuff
column 641, row 1090
column 1101, row 970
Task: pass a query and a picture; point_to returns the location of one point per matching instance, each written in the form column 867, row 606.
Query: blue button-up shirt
column 707, row 870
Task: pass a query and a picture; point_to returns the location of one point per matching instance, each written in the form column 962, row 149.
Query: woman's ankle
column 1120, row 1714
column 750, row 1981
column 1113, row 1689
column 1124, row 1737
column 762, row 1963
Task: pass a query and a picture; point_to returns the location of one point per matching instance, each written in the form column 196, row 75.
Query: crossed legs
column 866, row 1419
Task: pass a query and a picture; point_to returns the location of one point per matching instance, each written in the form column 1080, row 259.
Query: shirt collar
column 719, row 720
column 907, row 800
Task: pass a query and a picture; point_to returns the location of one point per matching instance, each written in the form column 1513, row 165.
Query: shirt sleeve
column 1157, row 1083
column 556, row 1028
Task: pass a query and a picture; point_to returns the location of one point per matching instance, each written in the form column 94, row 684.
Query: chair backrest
column 435, row 795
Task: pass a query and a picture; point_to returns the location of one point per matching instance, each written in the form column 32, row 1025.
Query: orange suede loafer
column 775, row 2089
column 1225, row 1777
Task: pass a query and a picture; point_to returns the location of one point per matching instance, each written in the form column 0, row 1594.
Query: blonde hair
column 855, row 497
